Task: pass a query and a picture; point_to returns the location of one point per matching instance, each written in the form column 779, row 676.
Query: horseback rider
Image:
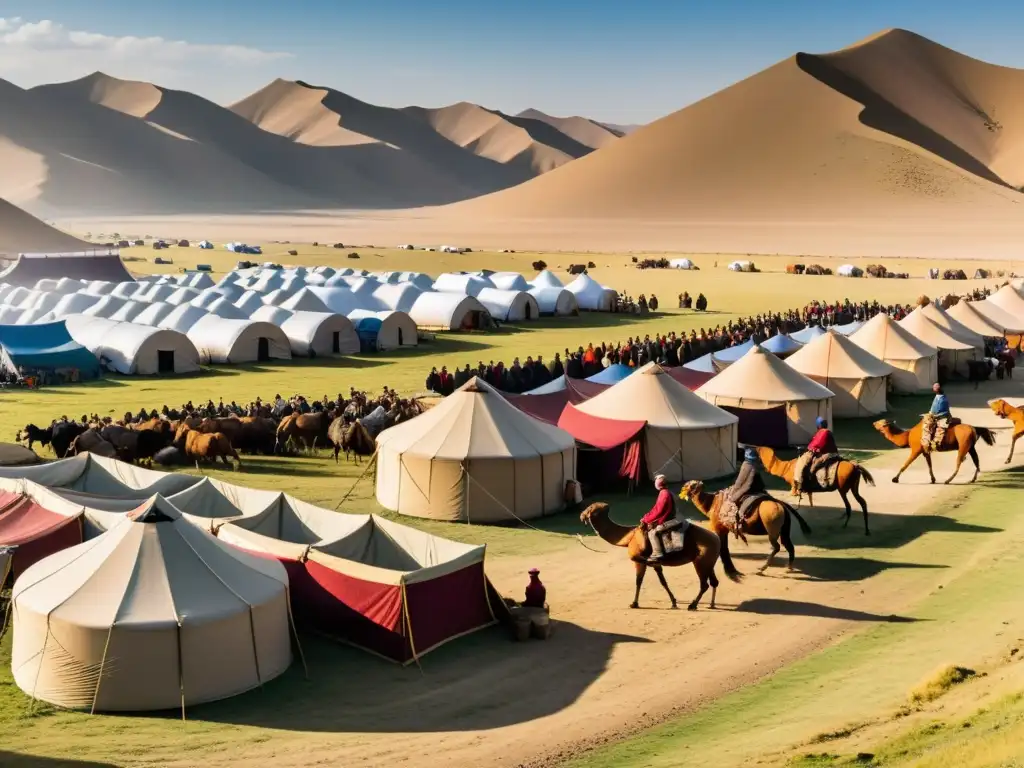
column 822, row 444
column 663, row 511
column 935, row 422
column 748, row 482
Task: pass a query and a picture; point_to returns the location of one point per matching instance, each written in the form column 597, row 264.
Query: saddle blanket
column 732, row 515
column 825, row 472
column 673, row 534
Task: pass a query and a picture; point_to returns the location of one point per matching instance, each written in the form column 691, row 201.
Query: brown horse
column 960, row 438
column 848, row 478
column 700, row 547
column 1004, row 410
column 774, row 520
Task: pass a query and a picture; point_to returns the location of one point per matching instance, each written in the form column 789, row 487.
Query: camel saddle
column 941, row 425
column 823, row 473
column 673, row 534
column 733, row 514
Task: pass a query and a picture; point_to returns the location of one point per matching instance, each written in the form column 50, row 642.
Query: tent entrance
column 401, row 340
column 165, row 361
column 263, row 349
column 336, row 342
column 529, row 311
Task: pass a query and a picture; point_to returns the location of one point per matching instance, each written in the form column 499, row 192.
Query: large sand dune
column 21, row 232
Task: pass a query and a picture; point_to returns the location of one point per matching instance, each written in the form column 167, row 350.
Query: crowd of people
column 670, row 349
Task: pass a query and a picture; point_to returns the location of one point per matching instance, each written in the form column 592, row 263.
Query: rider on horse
column 935, row 422
column 822, row 444
column 663, row 511
column 748, row 483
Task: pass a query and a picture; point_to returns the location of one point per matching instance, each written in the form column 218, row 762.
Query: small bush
column 940, row 682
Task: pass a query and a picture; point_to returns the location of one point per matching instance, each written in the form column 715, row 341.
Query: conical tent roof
column 475, row 421
column 957, row 330
column 781, row 344
column 730, row 355
column 931, row 334
column 762, row 376
column 652, row 395
column 153, row 614
column 986, row 318
column 1007, row 299
column 833, row 356
column 808, row 334
column 546, row 279
column 886, row 339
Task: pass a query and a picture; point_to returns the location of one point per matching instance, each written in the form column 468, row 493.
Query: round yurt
column 555, row 301
column 591, row 295
column 474, row 457
column 152, row 614
column 915, row 364
column 509, row 306
column 685, row 437
column 858, row 378
column 759, row 381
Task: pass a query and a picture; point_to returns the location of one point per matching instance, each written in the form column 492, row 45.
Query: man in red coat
column 664, row 510
column 822, row 444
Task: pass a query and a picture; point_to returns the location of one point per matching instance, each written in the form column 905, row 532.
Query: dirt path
column 610, row 671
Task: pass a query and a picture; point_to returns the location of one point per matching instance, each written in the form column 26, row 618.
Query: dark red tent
column 34, row 531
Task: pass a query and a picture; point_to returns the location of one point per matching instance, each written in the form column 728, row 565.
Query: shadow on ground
column 777, row 607
column 816, row 568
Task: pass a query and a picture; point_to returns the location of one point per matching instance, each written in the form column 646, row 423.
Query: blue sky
column 627, row 61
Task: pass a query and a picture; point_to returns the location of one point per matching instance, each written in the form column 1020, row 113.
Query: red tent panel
column 35, row 531
column 596, row 431
column 689, row 378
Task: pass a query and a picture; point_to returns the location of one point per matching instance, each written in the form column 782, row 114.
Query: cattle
column 64, row 434
column 34, row 434
column 200, row 446
column 539, row 265
column 577, row 269
column 92, row 441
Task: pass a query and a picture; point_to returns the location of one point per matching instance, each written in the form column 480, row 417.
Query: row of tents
column 139, row 590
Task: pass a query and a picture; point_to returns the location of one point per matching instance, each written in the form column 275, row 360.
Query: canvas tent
column 397, row 296
column 1010, row 301
column 129, row 348
column 808, row 334
column 509, row 306
column 463, row 285
column 760, row 382
column 591, row 295
column 555, row 301
column 546, row 279
column 395, row 329
column 30, row 268
column 986, row 319
column 318, row 334
column 34, row 529
column 857, row 377
column 941, row 318
column 509, row 281
column 222, row 341
column 45, row 347
column 449, row 312
column 474, row 457
column 781, row 345
column 915, row 364
column 685, row 437
column 154, row 614
column 954, row 352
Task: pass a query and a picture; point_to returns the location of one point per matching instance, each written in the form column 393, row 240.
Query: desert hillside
column 896, row 124
column 21, row 232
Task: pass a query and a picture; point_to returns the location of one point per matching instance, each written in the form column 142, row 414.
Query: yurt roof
column 547, row 279
column 834, row 356
column 930, row 333
column 475, row 422
column 957, row 330
column 884, row 338
column 986, row 315
column 652, row 395
column 781, row 343
column 1009, row 300
column 760, row 375
column 808, row 334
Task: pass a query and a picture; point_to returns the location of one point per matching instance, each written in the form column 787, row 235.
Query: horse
column 774, row 520
column 848, row 477
column 960, row 437
column 1004, row 410
column 700, row 547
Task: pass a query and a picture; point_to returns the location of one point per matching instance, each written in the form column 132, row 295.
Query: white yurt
column 915, row 364
column 249, row 302
column 153, row 314
column 319, row 334
column 510, row 281
column 222, row 341
column 686, row 437
column 152, row 614
column 464, row 285
column 182, row 318
column 555, row 301
column 397, row 296
column 591, row 295
column 271, row 314
column 759, row 380
column 474, row 457
column 304, row 300
column 546, row 279
column 954, row 352
column 509, row 306
column 449, row 312
column 129, row 348
column 856, row 377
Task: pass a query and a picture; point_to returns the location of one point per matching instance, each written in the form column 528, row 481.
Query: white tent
column 279, row 296
column 197, row 280
column 32, row 316
column 222, row 307
column 449, row 312
column 1006, row 298
column 155, row 292
column 362, row 287
column 127, row 290
column 759, row 380
column 509, row 306
column 510, row 281
column 546, row 279
column 915, row 364
column 100, row 287
column 304, row 300
column 204, row 299
column 857, row 377
column 153, row 314
column 340, row 299
column 985, row 318
column 10, row 315
column 464, row 285
column 555, row 301
column 73, row 304
column 681, row 264
column 134, row 349
column 46, row 284
column 957, row 330
column 686, row 438
column 591, row 295
column 129, row 311
column 68, row 285
column 153, row 614
column 320, row 334
column 808, row 334
column 474, row 457
column 181, row 296
column 105, row 307
column 238, row 341
column 397, row 329
column 271, row 314
column 398, row 296
column 954, row 353
column 182, row 318
column 249, row 302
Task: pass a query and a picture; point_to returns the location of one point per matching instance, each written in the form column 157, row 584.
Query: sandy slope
column 587, row 132
column 21, row 232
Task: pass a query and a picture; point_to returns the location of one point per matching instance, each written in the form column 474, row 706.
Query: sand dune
column 587, row 132
column 20, row 232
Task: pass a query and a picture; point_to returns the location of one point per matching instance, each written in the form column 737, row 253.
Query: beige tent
column 857, row 377
column 915, row 364
column 686, row 438
column 986, row 318
column 474, row 457
column 1010, row 301
column 153, row 614
column 956, row 329
column 760, row 380
column 954, row 352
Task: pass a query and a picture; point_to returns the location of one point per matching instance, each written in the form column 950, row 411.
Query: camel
column 774, row 520
column 700, row 547
column 959, row 437
column 848, row 478
column 1004, row 410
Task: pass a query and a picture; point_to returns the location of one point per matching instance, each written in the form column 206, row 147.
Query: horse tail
column 727, row 564
column 864, row 473
column 986, row 435
column 805, row 529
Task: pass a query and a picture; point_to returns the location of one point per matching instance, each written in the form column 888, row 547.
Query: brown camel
column 848, row 478
column 700, row 547
column 960, row 438
column 1004, row 410
column 773, row 519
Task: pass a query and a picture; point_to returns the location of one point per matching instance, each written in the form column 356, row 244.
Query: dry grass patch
column 940, row 682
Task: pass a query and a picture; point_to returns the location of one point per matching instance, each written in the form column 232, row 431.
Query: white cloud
column 33, row 52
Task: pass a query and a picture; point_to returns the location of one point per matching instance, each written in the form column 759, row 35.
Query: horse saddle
column 823, row 472
column 673, row 534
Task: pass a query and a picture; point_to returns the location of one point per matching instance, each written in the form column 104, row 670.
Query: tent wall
column 692, row 454
column 801, row 414
column 856, row 398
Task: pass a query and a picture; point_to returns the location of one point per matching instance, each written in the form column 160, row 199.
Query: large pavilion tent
column 222, row 341
column 387, row 329
column 986, row 319
column 555, row 301
column 858, row 378
column 392, row 590
column 153, row 614
column 46, row 346
column 449, row 312
column 509, row 306
column 474, row 457
column 954, row 352
column 591, row 295
column 915, row 364
column 130, row 348
column 319, row 334
column 776, row 404
column 685, row 437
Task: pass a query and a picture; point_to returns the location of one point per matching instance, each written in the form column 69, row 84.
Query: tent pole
column 181, row 673
column 99, row 677
column 369, row 466
column 295, row 631
column 408, row 624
